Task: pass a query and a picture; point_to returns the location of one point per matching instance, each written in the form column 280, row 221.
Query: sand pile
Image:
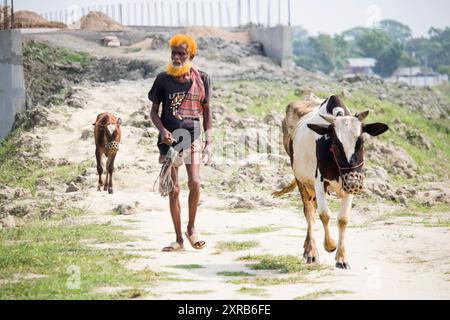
column 30, row 19
column 213, row 32
column 98, row 21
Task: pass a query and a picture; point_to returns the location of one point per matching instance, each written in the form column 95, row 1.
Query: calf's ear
column 319, row 128
column 119, row 121
column 375, row 129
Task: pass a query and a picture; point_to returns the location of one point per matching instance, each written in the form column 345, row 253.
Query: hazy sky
column 330, row 16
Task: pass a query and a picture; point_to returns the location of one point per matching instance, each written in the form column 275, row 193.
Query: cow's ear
column 119, row 121
column 319, row 128
column 375, row 129
column 361, row 116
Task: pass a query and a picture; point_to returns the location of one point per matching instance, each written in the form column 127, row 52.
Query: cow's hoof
column 330, row 246
column 343, row 265
column 310, row 260
column 110, row 191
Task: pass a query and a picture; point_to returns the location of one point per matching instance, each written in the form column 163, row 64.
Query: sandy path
column 395, row 260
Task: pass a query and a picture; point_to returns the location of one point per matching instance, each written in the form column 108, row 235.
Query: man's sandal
column 194, row 241
column 174, row 246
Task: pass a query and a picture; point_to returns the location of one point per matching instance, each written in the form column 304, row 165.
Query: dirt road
column 391, row 257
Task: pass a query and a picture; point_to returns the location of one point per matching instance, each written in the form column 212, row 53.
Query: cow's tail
column 286, row 190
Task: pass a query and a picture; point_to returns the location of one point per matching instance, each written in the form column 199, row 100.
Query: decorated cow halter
column 352, row 181
column 112, row 147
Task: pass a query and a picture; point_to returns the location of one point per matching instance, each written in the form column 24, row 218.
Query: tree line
column 391, row 43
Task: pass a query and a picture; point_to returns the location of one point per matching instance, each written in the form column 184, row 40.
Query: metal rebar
column 249, row 16
column 5, row 14
column 289, row 13
column 227, row 4
column 279, row 12
column 163, row 20
column 12, row 15
column 187, row 13
column 239, row 13
column 195, row 13
column 220, row 14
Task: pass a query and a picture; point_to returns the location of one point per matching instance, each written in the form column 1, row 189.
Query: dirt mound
column 98, row 21
column 143, row 45
column 30, row 19
column 212, row 32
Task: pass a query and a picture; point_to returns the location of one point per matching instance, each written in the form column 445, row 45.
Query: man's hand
column 166, row 137
column 207, row 154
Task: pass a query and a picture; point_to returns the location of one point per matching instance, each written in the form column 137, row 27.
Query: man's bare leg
column 193, row 171
column 175, row 208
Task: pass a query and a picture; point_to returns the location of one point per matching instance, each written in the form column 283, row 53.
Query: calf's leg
column 98, row 157
column 110, row 170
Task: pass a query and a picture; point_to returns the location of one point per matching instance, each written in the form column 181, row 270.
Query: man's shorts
column 186, row 156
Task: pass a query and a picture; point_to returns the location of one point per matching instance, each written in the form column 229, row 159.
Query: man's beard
column 178, row 71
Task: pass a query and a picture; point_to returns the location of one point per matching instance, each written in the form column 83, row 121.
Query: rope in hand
column 166, row 185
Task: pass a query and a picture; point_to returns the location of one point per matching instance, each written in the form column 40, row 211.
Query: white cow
column 325, row 144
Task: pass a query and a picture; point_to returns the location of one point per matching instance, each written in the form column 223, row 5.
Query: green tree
column 377, row 44
column 396, row 31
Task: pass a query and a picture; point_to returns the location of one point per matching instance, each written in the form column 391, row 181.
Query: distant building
column 360, row 66
column 418, row 77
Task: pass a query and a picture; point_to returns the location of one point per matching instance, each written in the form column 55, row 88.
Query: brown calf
column 107, row 134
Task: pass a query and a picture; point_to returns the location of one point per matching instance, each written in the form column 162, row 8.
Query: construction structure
column 182, row 13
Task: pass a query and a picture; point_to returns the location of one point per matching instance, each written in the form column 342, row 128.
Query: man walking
column 184, row 93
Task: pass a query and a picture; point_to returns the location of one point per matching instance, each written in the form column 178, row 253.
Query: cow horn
column 361, row 116
column 327, row 117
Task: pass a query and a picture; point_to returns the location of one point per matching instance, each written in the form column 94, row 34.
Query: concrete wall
column 12, row 84
column 276, row 42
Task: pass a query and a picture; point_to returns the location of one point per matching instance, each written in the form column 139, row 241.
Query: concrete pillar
column 276, row 42
column 12, row 83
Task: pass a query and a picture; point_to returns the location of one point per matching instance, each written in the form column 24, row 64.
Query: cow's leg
column 324, row 214
column 343, row 217
column 98, row 157
column 110, row 170
column 105, row 187
column 310, row 250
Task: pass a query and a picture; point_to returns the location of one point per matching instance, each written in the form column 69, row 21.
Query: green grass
column 260, row 104
column 129, row 294
column 269, row 281
column 235, row 274
column 187, row 266
column 18, row 172
column 416, row 209
column 444, row 90
column 436, row 131
column 194, row 292
column 52, row 249
column 13, row 171
column 321, row 294
column 236, row 245
column 282, row 264
column 258, row 292
column 256, row 230
column 444, row 223
column 132, row 50
column 42, row 52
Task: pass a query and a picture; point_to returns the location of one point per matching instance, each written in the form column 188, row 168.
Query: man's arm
column 165, row 134
column 207, row 123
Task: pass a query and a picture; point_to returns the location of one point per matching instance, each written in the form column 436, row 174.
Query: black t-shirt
column 167, row 90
